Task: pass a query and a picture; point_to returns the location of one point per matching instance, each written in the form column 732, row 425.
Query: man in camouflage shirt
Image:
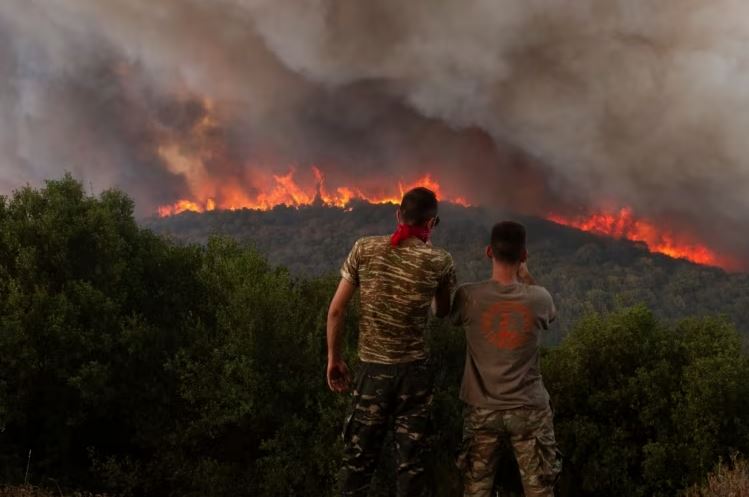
column 502, row 387
column 399, row 277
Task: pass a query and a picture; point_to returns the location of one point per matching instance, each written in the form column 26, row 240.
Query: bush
column 644, row 408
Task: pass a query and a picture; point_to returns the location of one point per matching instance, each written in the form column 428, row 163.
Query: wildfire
column 195, row 154
column 286, row 190
column 624, row 224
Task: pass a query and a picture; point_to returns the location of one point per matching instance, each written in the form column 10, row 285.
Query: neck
column 504, row 274
column 405, row 232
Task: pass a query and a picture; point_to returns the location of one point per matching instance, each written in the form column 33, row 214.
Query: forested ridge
column 585, row 272
column 137, row 365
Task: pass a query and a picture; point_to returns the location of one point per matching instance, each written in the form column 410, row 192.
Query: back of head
column 508, row 242
column 418, row 206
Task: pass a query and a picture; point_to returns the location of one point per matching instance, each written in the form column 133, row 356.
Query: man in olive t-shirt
column 399, row 277
column 502, row 387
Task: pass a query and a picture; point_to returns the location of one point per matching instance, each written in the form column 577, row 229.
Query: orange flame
column 285, row 190
column 624, row 224
column 189, row 156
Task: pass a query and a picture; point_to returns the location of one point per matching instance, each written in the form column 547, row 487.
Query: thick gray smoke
column 539, row 105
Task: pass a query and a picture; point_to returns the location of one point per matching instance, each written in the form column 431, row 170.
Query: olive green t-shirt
column 397, row 285
column 503, row 325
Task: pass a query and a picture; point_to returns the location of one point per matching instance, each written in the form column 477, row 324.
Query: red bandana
column 405, row 231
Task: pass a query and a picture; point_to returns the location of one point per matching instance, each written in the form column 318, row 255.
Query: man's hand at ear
column 524, row 275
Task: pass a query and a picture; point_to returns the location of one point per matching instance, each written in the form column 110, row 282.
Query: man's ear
column 524, row 257
column 398, row 215
column 489, row 252
column 431, row 223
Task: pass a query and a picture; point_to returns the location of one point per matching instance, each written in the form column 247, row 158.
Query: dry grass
column 728, row 480
column 31, row 491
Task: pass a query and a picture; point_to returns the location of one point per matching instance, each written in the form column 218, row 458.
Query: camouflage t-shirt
column 397, row 285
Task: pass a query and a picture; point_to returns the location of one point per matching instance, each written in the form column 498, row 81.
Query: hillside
column 585, row 272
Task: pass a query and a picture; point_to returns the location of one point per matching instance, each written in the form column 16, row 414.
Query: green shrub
column 644, row 408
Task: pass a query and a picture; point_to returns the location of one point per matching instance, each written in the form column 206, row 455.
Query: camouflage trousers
column 531, row 434
column 385, row 393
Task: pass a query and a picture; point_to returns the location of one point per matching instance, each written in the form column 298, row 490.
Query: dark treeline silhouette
column 140, row 366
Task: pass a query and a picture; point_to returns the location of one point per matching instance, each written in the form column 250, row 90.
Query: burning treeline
column 195, row 154
column 624, row 117
column 285, row 190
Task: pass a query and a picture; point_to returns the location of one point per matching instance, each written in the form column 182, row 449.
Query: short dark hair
column 418, row 206
column 508, row 242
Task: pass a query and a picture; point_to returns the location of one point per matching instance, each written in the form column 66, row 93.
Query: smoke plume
column 537, row 105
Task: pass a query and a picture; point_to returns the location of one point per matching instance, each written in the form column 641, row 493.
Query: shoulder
column 440, row 255
column 440, row 252
column 539, row 293
column 368, row 242
column 469, row 288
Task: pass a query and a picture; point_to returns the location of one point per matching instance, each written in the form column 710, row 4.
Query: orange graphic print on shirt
column 507, row 325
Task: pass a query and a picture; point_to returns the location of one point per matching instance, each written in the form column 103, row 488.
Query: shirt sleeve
column 553, row 311
column 458, row 307
column 350, row 268
column 549, row 311
column 449, row 278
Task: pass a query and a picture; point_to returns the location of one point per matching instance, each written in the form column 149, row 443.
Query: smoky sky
column 536, row 105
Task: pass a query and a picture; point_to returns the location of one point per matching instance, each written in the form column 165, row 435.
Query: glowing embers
column 623, row 224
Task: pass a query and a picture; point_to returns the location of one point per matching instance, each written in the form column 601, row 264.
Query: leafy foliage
column 643, row 408
column 139, row 366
